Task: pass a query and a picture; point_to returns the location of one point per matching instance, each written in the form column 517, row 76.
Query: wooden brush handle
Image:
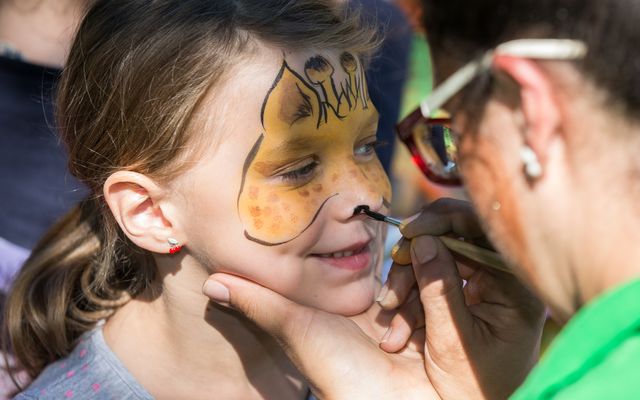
column 476, row 253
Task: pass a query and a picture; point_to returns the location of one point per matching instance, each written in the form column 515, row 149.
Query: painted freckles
column 306, row 123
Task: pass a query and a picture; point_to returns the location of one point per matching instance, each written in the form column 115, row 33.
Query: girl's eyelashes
column 299, row 175
column 367, row 149
column 304, row 171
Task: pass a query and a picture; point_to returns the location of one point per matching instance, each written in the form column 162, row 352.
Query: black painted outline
column 245, row 168
column 275, row 83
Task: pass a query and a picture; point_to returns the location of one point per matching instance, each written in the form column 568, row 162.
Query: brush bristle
column 360, row 209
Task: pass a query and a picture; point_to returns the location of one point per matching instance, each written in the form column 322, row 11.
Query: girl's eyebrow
column 293, row 145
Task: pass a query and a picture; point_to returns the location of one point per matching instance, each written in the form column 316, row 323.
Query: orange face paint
column 309, row 152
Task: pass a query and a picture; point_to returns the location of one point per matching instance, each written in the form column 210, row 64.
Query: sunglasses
column 427, row 130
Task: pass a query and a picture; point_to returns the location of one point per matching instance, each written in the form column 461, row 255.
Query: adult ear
column 541, row 117
column 140, row 207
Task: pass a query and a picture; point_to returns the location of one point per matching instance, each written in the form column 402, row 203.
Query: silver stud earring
column 532, row 167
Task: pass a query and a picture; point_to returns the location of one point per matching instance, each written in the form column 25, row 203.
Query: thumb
column 447, row 317
column 310, row 337
column 269, row 310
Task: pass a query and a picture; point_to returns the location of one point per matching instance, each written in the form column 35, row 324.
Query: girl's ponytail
column 61, row 291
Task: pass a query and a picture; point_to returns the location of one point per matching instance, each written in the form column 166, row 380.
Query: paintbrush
column 466, row 249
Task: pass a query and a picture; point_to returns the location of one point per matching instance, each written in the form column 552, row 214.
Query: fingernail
column 386, row 335
column 216, row 291
column 408, row 220
column 383, row 293
column 425, row 249
column 395, row 249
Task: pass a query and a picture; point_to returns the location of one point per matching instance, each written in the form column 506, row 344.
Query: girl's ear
column 140, row 207
column 538, row 106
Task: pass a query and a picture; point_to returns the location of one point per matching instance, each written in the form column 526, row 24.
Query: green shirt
column 596, row 356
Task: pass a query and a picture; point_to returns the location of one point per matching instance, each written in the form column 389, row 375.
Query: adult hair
column 135, row 75
column 462, row 29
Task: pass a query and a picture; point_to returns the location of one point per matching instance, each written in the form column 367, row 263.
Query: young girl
column 227, row 135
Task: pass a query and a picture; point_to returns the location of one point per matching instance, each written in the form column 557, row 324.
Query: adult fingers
column 445, row 216
column 447, row 318
column 401, row 252
column 408, row 319
column 490, row 290
column 399, row 284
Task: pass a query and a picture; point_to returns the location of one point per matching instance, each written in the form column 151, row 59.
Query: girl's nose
column 359, row 192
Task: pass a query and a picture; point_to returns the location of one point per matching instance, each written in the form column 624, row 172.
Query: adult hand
column 481, row 339
column 338, row 355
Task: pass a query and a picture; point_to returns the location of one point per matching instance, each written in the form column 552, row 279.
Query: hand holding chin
column 340, row 356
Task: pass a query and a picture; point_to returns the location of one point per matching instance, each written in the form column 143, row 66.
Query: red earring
column 175, row 246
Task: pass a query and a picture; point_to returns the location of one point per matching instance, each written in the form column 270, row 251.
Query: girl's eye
column 299, row 175
column 368, row 149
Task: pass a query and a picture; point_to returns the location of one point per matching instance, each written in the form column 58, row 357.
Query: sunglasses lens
column 437, row 148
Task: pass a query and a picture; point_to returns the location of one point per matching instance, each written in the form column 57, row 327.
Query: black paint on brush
column 362, row 209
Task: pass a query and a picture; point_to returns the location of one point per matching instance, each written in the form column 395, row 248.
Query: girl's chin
column 347, row 303
column 351, row 311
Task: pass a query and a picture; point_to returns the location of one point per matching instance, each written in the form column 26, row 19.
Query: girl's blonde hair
column 136, row 72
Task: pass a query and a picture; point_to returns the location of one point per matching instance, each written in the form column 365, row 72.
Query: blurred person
column 37, row 189
column 35, row 36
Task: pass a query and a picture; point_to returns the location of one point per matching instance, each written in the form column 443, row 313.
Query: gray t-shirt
column 91, row 371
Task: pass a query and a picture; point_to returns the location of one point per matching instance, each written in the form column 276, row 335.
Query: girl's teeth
column 338, row 254
column 341, row 254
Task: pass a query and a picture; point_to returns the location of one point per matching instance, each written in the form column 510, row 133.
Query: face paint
column 317, row 143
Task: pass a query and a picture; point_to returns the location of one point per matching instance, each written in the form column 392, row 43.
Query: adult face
column 531, row 219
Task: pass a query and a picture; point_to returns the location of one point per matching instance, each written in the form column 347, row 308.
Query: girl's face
column 272, row 197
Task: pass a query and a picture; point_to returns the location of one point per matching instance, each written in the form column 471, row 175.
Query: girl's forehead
column 233, row 108
column 257, row 73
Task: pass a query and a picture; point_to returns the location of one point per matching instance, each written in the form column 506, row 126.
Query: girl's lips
column 352, row 260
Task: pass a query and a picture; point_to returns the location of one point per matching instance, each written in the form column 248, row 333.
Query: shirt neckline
column 590, row 335
column 102, row 348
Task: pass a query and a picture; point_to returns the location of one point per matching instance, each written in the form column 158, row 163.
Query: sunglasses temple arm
column 544, row 49
column 454, row 84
